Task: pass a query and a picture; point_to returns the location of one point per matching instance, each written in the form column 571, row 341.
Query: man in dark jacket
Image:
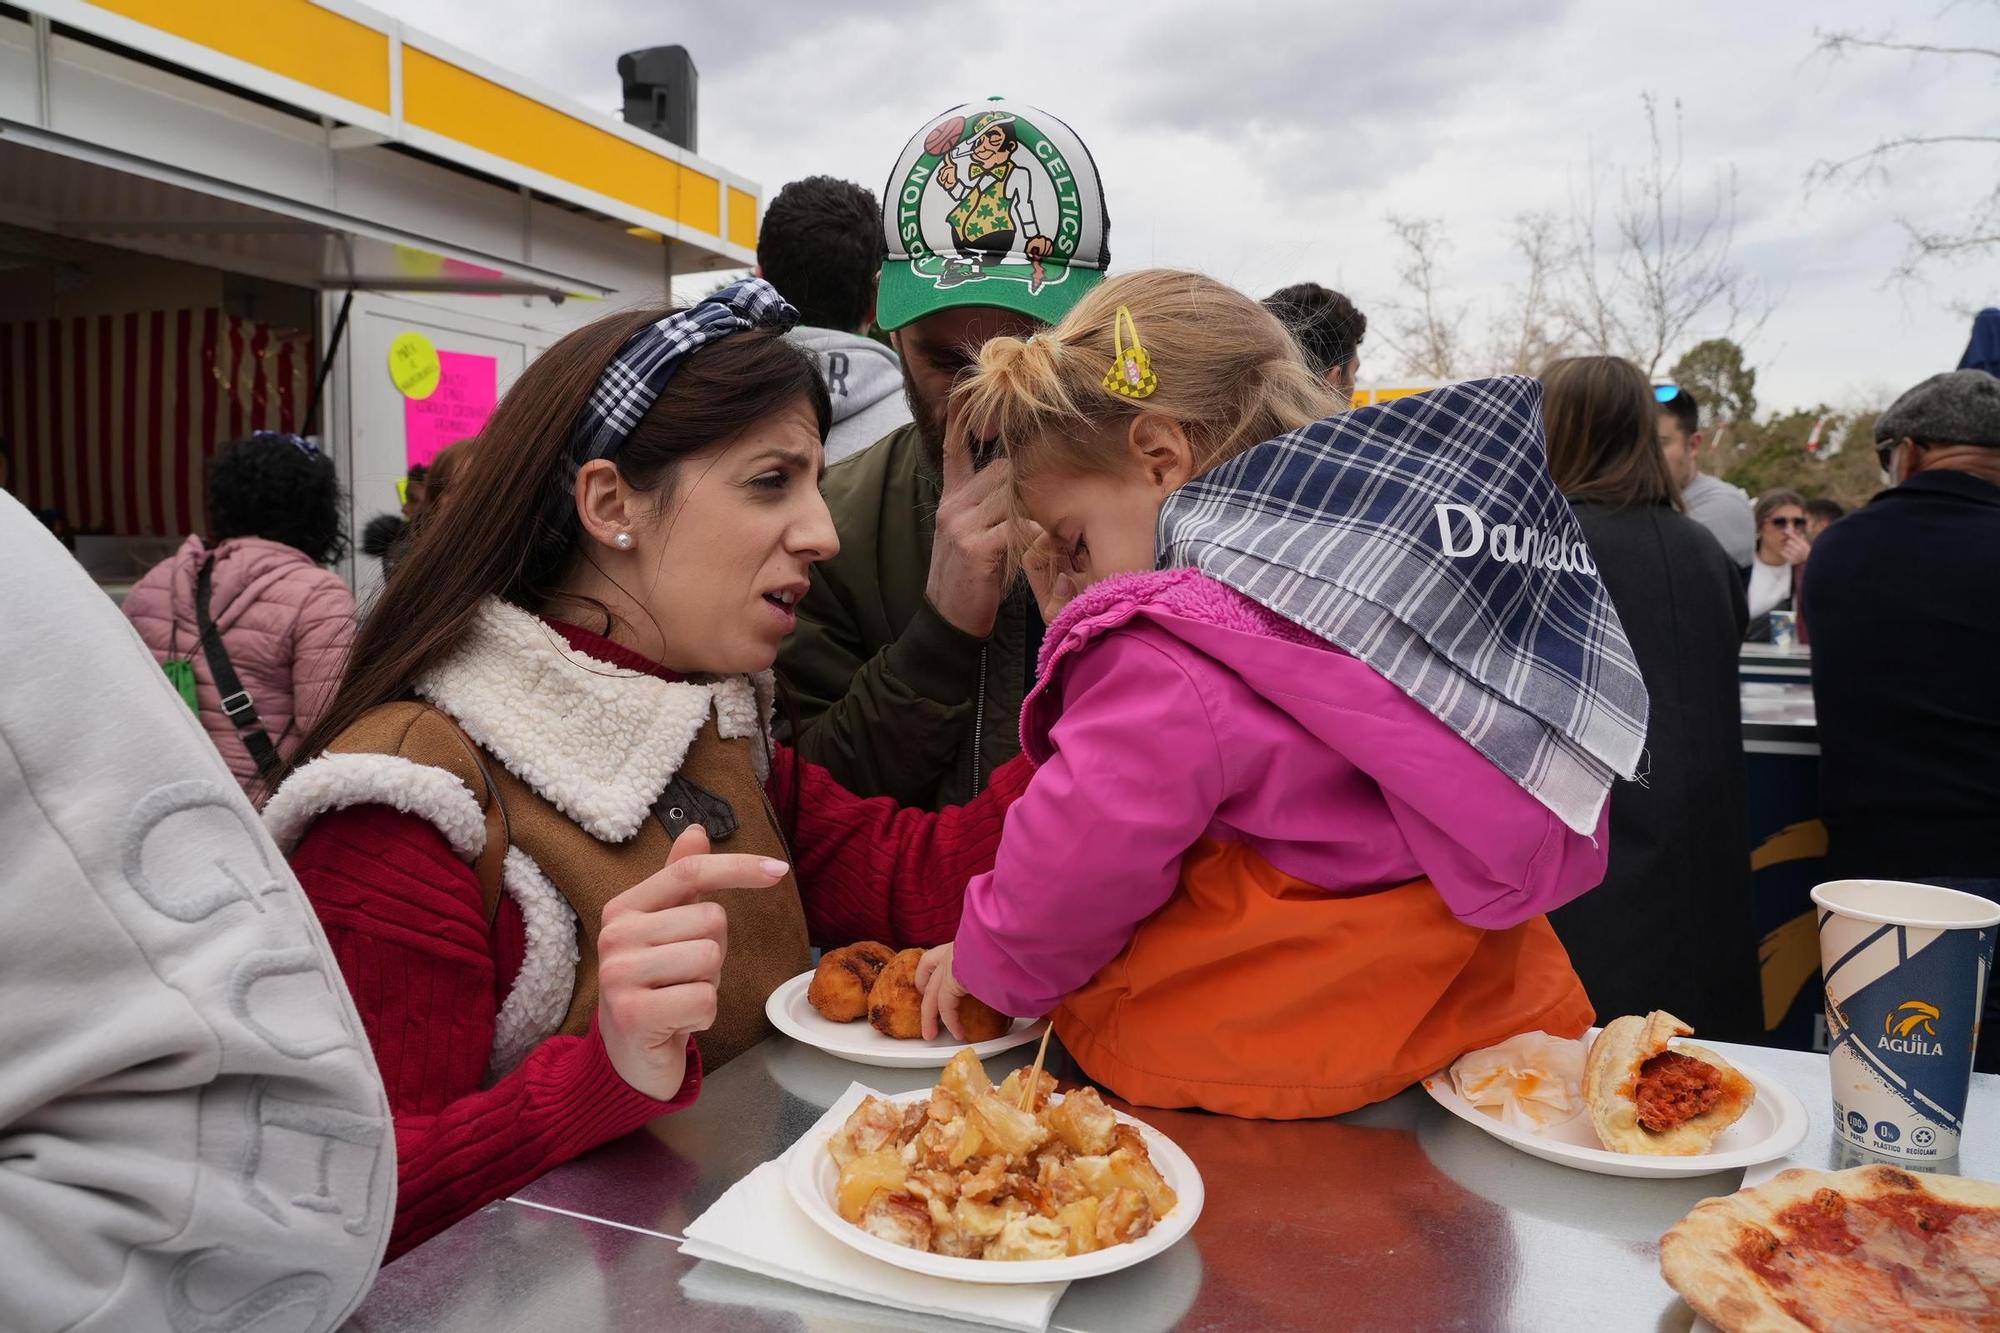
column 1903, row 598
column 913, row 654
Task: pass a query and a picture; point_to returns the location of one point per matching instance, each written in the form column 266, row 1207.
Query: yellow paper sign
column 413, row 365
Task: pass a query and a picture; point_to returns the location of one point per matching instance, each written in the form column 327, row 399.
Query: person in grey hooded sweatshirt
column 193, row 1135
column 821, row 247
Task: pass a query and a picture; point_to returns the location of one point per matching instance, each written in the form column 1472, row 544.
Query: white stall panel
column 380, row 421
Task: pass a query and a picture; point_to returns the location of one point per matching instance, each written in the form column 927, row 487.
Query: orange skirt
column 1255, row 994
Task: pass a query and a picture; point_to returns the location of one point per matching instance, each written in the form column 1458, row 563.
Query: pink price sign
column 467, row 387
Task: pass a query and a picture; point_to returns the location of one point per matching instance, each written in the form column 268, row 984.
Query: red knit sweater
column 403, row 916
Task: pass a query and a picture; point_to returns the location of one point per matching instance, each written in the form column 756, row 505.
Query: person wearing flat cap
column 1903, row 600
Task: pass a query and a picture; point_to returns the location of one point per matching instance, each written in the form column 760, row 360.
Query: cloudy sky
column 1270, row 145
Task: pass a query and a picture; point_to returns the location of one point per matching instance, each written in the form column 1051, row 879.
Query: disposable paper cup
column 1905, row 970
column 1784, row 629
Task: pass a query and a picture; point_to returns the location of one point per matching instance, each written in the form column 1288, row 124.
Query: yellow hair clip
column 1131, row 374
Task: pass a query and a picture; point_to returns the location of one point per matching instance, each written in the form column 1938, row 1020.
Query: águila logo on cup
column 1906, row 1026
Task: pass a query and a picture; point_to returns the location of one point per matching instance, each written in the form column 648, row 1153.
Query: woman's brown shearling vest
column 767, row 927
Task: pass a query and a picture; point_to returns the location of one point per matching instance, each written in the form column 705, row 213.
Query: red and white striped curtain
column 111, row 419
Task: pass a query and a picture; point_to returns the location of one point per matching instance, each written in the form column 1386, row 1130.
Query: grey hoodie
column 866, row 383
column 192, row 1132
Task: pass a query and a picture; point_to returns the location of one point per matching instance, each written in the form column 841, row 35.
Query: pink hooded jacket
column 1172, row 709
column 286, row 622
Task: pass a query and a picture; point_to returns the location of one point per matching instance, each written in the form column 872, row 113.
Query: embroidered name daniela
column 1508, row 543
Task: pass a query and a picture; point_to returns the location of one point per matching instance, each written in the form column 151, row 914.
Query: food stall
column 1368, row 395
column 222, row 217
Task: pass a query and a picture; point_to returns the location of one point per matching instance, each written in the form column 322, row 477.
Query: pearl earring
column 623, row 541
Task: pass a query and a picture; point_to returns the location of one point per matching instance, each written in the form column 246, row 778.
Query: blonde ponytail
column 1228, row 372
column 1020, row 376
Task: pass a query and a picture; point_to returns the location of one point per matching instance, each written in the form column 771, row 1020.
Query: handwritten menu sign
column 467, row 387
column 413, row 365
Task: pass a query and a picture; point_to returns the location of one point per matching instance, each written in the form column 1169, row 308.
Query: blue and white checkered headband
column 640, row 372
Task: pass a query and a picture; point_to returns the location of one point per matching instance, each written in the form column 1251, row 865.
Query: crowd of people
column 1072, row 630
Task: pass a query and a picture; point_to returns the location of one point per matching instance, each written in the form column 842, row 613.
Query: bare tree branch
column 1424, row 331
column 1532, row 335
column 1872, row 162
column 1976, row 233
column 1840, row 43
column 1665, row 267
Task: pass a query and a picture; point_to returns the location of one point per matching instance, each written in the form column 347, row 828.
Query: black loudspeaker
column 660, row 93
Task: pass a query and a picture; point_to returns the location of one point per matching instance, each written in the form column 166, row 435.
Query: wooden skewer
column 1035, row 1075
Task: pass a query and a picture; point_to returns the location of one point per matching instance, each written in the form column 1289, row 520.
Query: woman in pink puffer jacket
column 285, row 619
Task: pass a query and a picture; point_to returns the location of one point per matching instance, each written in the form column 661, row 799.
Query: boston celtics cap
column 992, row 204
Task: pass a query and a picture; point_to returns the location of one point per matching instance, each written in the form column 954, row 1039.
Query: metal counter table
column 1768, row 662
column 1398, row 1216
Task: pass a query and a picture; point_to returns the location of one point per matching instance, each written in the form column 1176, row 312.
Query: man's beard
column 929, row 424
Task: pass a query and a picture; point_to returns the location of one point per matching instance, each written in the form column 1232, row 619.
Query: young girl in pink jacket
column 1327, row 713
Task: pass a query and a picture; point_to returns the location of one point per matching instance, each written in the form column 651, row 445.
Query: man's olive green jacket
column 891, row 698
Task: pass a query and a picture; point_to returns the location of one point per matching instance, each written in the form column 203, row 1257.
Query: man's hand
column 659, row 957
column 1041, row 247
column 969, row 552
column 947, row 174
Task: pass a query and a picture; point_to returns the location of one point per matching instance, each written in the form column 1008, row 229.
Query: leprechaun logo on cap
column 990, row 199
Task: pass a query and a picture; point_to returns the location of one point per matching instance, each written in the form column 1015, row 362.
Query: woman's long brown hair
column 1604, row 434
column 511, row 528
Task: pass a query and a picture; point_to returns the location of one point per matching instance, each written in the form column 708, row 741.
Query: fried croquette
column 895, row 1005
column 841, row 983
column 981, row 1021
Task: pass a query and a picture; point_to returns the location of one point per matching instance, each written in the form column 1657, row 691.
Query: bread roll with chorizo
column 1649, row 1095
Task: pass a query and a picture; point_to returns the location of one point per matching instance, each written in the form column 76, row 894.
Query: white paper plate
column 793, row 1015
column 811, row 1175
column 1775, row 1124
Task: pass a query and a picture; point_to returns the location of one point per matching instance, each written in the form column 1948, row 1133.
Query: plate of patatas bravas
column 1006, row 1183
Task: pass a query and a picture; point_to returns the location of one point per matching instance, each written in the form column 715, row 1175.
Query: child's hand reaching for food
column 942, row 993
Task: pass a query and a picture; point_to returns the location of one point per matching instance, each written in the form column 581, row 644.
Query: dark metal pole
column 326, row 365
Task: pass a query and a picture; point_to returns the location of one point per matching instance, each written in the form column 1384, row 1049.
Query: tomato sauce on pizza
column 1876, row 1247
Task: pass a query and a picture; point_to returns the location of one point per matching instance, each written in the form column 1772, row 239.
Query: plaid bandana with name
column 1426, row 537
column 637, row 376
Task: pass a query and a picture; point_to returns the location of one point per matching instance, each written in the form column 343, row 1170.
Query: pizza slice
column 1648, row 1095
column 1875, row 1247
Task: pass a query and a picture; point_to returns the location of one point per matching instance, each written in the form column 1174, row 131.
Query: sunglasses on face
column 1798, row 523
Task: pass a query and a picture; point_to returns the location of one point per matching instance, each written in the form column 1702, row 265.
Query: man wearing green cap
column 912, row 654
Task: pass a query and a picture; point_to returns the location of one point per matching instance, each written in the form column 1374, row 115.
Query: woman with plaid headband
column 553, row 847
column 1338, row 701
